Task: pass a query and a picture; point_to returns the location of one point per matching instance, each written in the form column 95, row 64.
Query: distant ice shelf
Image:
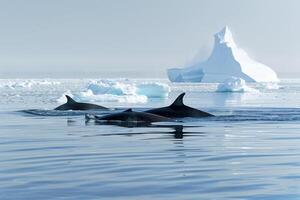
column 226, row 61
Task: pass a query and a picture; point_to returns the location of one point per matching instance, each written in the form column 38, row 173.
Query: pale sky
column 140, row 38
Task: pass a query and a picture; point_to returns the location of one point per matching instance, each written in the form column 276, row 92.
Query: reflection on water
column 173, row 129
column 226, row 98
column 178, row 132
column 63, row 157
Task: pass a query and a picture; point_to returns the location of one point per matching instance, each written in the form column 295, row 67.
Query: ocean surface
column 250, row 150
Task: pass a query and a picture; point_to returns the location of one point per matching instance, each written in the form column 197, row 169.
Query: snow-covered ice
column 225, row 61
column 234, row 84
column 122, row 91
column 26, row 84
column 153, row 90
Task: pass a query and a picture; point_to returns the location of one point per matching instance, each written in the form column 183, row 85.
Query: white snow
column 234, row 84
column 225, row 61
column 26, row 83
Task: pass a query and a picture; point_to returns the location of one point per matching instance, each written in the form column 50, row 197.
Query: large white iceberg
column 225, row 61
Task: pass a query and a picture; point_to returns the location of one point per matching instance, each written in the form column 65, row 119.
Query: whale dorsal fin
column 69, row 99
column 128, row 110
column 179, row 100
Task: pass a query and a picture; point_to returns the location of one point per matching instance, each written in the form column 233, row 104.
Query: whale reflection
column 176, row 130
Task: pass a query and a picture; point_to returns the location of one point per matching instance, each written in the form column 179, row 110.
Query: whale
column 178, row 110
column 74, row 105
column 128, row 116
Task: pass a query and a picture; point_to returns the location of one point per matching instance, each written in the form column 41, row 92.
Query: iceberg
column 120, row 91
column 153, row 90
column 225, row 61
column 148, row 89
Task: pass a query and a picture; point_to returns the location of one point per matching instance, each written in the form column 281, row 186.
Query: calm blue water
column 250, row 151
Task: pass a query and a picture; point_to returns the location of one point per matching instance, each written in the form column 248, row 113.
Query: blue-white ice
column 122, row 91
column 234, row 84
column 226, row 61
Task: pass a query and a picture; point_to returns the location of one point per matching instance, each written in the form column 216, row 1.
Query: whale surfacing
column 129, row 116
column 73, row 105
column 178, row 110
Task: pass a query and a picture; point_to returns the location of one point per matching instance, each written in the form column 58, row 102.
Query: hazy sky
column 72, row 38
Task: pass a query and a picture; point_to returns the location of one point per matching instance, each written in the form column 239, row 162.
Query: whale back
column 178, row 101
column 178, row 110
column 70, row 100
column 132, row 116
column 71, row 104
column 128, row 110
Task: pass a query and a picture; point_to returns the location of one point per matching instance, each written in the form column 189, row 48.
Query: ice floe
column 123, row 91
column 234, row 84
